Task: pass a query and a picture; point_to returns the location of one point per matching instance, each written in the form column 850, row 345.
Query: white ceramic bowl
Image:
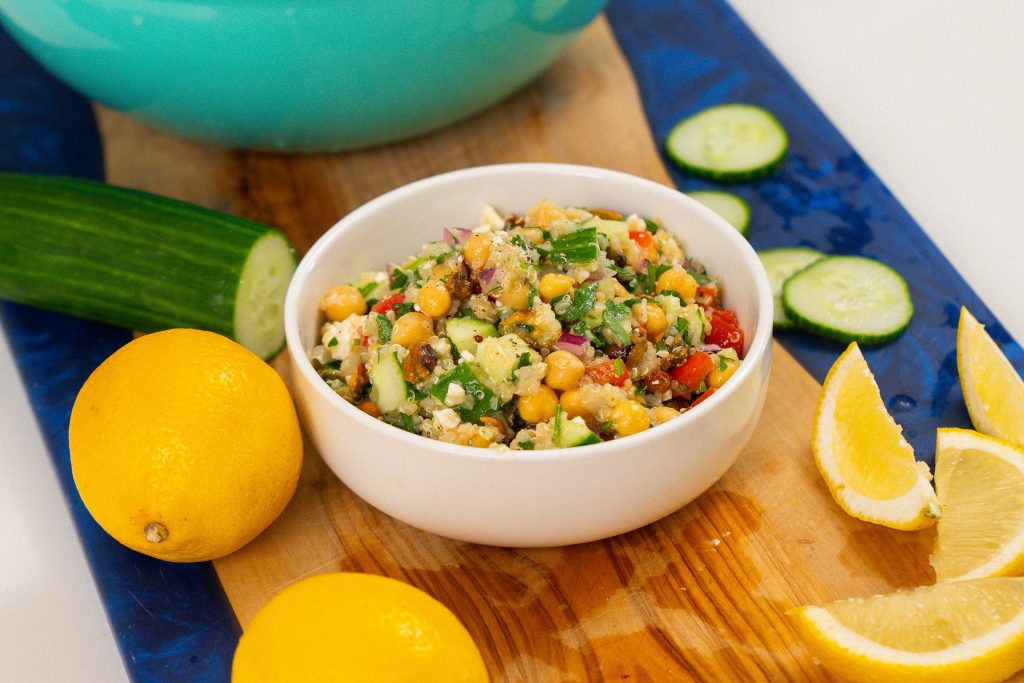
column 528, row 498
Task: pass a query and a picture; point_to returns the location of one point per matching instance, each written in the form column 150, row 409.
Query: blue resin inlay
column 688, row 55
column 172, row 622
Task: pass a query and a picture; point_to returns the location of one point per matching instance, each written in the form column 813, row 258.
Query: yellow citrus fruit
column 980, row 483
column 993, row 391
column 356, row 627
column 959, row 631
column 860, row 450
column 184, row 445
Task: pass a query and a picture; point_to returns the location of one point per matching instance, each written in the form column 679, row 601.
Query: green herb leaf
column 399, row 278
column 384, row 326
column 616, row 317
column 483, row 398
column 526, row 445
column 583, row 300
column 334, row 342
column 367, row 288
column 576, row 247
column 521, row 243
column 403, row 308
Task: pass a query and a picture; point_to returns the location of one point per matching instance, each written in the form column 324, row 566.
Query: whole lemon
column 353, row 627
column 184, row 445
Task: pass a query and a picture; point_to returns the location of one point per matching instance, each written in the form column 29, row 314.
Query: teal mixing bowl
column 297, row 75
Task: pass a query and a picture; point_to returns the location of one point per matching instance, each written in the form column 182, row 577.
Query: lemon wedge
column 993, row 391
column 860, row 450
column 980, row 484
column 960, row 631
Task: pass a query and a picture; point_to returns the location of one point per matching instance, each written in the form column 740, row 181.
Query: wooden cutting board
column 699, row 595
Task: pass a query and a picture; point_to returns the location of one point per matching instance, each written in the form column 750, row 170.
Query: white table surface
column 928, row 91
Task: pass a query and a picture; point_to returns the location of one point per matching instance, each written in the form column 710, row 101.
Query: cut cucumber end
column 849, row 298
column 259, row 303
column 729, row 143
column 732, row 208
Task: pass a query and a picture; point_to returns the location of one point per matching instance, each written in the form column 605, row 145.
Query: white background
column 928, row 91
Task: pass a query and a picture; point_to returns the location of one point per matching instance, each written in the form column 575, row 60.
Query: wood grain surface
column 697, row 596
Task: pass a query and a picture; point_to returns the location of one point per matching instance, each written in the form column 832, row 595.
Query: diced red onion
column 487, row 275
column 709, row 348
column 573, row 343
column 390, row 268
column 599, row 274
column 453, row 236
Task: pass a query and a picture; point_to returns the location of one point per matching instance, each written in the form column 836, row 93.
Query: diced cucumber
column 499, row 358
column 732, row 208
column 141, row 261
column 781, row 264
column 464, row 332
column 728, row 142
column 617, row 232
column 572, row 433
column 387, row 384
column 849, row 298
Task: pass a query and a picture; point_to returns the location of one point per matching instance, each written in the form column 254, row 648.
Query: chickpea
column 629, row 417
column 679, row 281
column 515, row 295
column 663, row 414
column 564, row 370
column 554, row 285
column 411, row 329
column 434, row 299
column 534, row 235
column 652, row 317
column 619, row 289
column 538, row 407
column 341, row 302
column 572, row 404
column 716, row 377
column 544, row 213
column 476, row 250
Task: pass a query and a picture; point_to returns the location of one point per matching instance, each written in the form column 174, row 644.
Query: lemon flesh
column 347, row 626
column 868, row 466
column 993, row 391
column 960, row 631
column 980, row 484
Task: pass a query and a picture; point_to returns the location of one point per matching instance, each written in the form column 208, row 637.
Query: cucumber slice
column 732, row 208
column 781, row 264
column 464, row 332
column 574, row 434
column 140, row 261
column 849, row 298
column 728, row 142
column 387, row 384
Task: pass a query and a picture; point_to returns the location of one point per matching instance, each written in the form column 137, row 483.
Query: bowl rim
column 758, row 347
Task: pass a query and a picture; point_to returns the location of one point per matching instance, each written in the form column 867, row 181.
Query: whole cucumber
column 141, row 261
